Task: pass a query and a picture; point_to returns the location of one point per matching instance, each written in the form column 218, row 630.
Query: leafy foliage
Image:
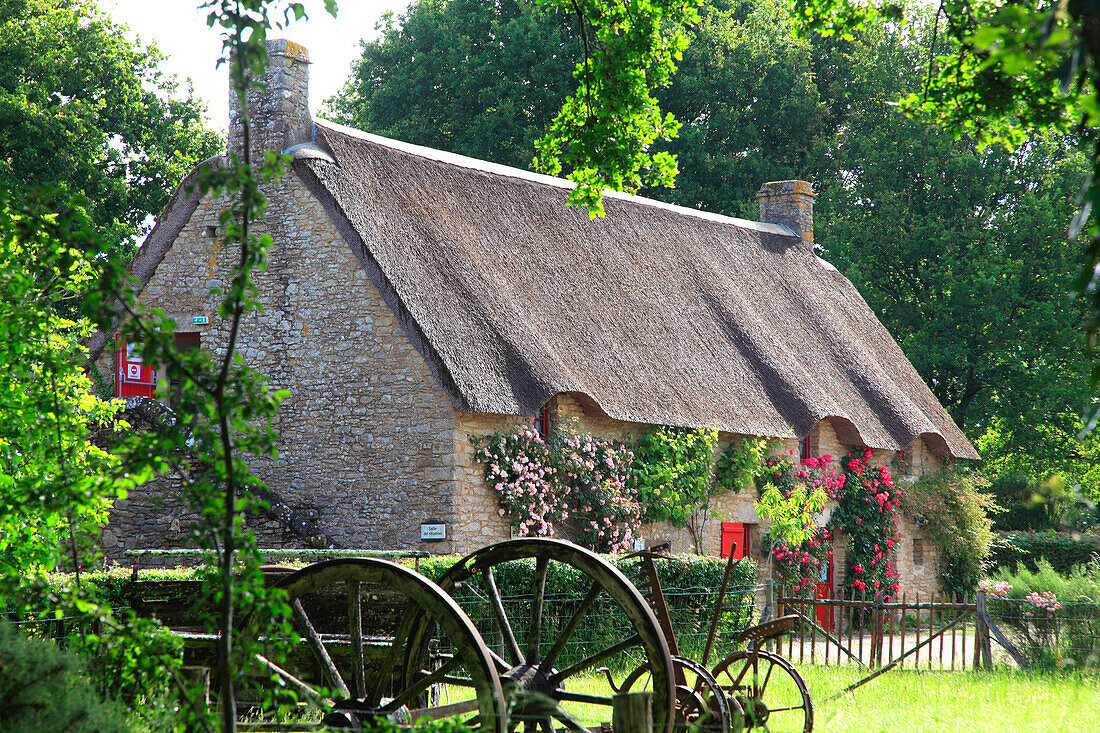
column 475, row 78
column 603, row 134
column 1007, row 72
column 1062, row 552
column 83, row 109
column 673, row 469
column 44, row 690
column 791, row 495
column 955, row 511
column 55, row 485
column 738, row 465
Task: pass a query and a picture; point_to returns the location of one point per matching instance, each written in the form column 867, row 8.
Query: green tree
column 474, row 78
column 961, row 252
column 1006, row 72
column 486, row 81
column 54, row 490
column 81, row 108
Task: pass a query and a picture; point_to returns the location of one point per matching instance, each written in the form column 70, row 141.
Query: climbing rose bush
column 579, row 484
column 802, row 566
column 866, row 510
column 799, row 563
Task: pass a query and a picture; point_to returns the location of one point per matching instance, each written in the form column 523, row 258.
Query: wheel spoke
column 355, row 620
column 567, row 632
column 767, row 677
column 784, row 710
column 418, row 686
column 385, row 667
column 542, row 565
column 497, row 606
column 310, row 691
column 318, row 647
column 582, row 697
column 595, row 659
column 501, row 662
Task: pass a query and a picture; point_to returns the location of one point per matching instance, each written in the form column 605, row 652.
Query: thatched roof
column 654, row 314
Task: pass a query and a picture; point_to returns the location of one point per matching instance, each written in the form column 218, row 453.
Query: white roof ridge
column 485, row 166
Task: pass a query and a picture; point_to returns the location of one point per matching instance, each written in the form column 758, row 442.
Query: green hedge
column 690, row 583
column 1062, row 551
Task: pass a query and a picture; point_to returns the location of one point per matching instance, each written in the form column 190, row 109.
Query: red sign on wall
column 133, row 377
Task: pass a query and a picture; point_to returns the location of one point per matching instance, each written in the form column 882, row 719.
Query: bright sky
column 179, row 29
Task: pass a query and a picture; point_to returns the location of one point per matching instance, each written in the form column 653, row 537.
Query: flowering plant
column 597, row 481
column 866, row 510
column 791, row 495
column 580, row 484
column 997, row 589
column 802, row 565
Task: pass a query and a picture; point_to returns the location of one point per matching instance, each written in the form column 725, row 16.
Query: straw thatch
column 655, row 314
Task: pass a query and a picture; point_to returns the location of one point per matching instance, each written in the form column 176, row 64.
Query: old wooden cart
column 367, row 637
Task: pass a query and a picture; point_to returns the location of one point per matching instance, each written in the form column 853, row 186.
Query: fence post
column 876, row 631
column 631, row 712
column 982, row 648
column 769, row 607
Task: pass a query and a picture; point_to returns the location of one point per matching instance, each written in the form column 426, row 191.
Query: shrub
column 45, row 689
column 866, row 511
column 1062, row 551
column 1053, row 618
column 955, row 512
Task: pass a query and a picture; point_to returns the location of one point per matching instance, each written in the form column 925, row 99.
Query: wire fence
column 1049, row 633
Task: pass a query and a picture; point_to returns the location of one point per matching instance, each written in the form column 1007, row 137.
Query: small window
column 185, row 342
column 918, row 552
column 804, row 449
column 542, row 421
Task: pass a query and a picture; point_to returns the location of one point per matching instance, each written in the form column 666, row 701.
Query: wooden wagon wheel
column 772, row 694
column 543, row 650
column 370, row 669
column 701, row 703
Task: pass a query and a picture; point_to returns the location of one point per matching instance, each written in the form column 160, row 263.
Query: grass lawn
column 950, row 702
column 970, row 702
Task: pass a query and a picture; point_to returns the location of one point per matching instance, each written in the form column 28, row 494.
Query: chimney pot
column 278, row 104
column 790, row 203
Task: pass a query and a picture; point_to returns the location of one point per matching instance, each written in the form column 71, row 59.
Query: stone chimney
column 279, row 106
column 790, row 203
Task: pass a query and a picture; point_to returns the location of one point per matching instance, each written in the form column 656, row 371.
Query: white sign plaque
column 200, row 320
column 433, row 531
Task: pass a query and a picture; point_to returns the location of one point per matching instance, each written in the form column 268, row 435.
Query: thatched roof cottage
column 415, row 298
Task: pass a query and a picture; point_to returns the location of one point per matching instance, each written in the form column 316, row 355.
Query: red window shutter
column 734, row 539
column 133, row 378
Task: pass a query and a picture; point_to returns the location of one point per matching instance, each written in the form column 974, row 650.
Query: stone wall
column 367, row 438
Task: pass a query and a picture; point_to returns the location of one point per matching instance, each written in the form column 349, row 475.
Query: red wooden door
column 823, row 589
column 133, row 378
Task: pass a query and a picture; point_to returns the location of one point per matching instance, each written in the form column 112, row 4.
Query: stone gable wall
column 367, row 439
